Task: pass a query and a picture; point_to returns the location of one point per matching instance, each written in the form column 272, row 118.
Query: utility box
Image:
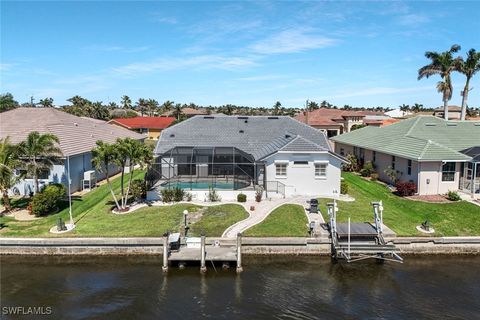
column 89, row 180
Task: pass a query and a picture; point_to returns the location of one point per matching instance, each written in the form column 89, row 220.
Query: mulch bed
column 435, row 198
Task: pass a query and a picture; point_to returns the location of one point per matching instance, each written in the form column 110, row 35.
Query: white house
column 240, row 154
column 77, row 135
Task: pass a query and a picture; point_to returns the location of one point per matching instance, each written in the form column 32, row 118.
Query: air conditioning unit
column 89, row 175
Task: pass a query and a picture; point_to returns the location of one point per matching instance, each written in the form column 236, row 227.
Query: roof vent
column 273, row 118
column 287, row 136
column 172, row 135
column 246, row 121
column 477, row 124
column 241, row 131
column 208, row 117
column 75, row 124
column 429, row 124
column 242, row 117
column 451, row 124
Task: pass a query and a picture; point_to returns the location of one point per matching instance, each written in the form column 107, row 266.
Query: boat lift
column 360, row 240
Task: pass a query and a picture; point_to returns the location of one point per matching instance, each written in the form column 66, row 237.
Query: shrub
column 343, row 187
column 352, row 166
column 178, row 194
column 167, row 195
column 213, row 195
column 242, row 197
column 258, row 195
column 188, row 196
column 453, row 196
column 367, row 169
column 138, row 189
column 406, row 189
column 48, row 200
column 393, row 174
column 374, row 176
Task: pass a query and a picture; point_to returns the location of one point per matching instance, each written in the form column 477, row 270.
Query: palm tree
column 276, row 108
column 38, row 152
column 468, row 67
column 8, row 162
column 167, row 106
column 442, row 64
column 126, row 102
column 152, row 106
column 46, row 103
column 104, row 155
column 417, row 107
column 141, row 105
column 177, row 111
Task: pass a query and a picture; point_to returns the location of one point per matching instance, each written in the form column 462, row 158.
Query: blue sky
column 245, row 53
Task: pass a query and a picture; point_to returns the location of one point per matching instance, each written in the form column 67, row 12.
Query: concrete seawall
column 250, row 246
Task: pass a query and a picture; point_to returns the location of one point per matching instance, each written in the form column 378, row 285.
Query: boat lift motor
column 313, row 206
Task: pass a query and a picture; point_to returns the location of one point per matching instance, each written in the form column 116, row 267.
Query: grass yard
column 93, row 218
column 215, row 220
column 288, row 220
column 403, row 215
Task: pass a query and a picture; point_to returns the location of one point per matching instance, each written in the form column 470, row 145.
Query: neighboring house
column 189, row 112
column 454, row 112
column 397, row 113
column 337, row 121
column 150, row 126
column 431, row 152
column 77, row 135
column 242, row 153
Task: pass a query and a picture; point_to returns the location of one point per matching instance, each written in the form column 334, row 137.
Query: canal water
column 269, row 288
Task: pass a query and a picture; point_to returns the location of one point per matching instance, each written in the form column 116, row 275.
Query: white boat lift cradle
column 360, row 240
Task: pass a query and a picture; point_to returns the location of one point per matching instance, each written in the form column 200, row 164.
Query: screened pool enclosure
column 201, row 168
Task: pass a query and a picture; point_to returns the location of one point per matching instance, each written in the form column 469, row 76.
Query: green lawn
column 288, row 220
column 403, row 215
column 215, row 220
column 93, row 218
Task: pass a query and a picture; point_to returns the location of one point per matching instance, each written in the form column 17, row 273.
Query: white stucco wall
column 300, row 179
column 432, row 171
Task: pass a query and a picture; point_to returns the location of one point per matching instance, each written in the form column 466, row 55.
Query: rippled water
column 269, row 288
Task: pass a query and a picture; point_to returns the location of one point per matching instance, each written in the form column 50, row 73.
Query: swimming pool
column 203, row 185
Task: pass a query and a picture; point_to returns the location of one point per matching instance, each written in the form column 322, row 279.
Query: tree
column 404, row 107
column 417, row 107
column 126, row 102
column 141, row 105
column 177, row 111
column 442, row 64
column 8, row 162
column 38, row 152
column 152, row 106
column 78, row 101
column 468, row 67
column 104, row 155
column 276, row 108
column 46, row 103
column 7, row 102
column 167, row 106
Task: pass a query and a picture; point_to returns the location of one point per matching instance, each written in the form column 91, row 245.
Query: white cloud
column 412, row 20
column 6, row 66
column 378, row 91
column 114, row 48
column 292, row 41
column 167, row 20
column 261, row 78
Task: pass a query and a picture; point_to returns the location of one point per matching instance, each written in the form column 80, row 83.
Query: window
column 42, row 173
column 448, row 171
column 281, row 169
column 342, row 151
column 374, row 156
column 393, row 162
column 300, row 163
column 409, row 167
column 320, row 170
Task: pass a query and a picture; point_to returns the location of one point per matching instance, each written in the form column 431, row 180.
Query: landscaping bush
column 393, row 174
column 188, row 196
column 258, row 195
column 368, row 169
column 138, row 189
column 242, row 197
column 167, row 195
column 352, row 166
column 406, row 189
column 213, row 195
column 343, row 187
column 48, row 200
column 178, row 194
column 374, row 176
column 453, row 196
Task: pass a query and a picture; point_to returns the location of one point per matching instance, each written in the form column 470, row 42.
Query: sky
column 243, row 53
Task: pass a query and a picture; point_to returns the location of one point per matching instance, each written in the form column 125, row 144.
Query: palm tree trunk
column 464, row 99
column 445, row 109
column 6, row 200
column 121, row 187
column 129, row 184
column 111, row 188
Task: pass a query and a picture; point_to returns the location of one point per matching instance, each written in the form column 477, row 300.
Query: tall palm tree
column 46, row 103
column 177, row 111
column 167, row 106
column 8, row 162
column 38, row 152
column 126, row 102
column 276, row 108
column 468, row 67
column 104, row 155
column 442, row 64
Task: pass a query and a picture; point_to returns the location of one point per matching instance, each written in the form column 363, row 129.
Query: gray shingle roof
column 259, row 136
column 77, row 135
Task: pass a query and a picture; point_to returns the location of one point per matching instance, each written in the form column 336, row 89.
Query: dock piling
column 203, row 266
column 239, row 253
column 165, row 254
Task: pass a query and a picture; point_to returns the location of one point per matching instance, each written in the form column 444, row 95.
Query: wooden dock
column 212, row 253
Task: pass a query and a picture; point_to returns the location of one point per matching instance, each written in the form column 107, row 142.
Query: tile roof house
column 241, row 153
column 77, row 135
column 338, row 121
column 189, row 112
column 150, row 126
column 427, row 150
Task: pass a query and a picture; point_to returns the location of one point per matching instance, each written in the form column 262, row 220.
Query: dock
column 360, row 240
column 181, row 252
